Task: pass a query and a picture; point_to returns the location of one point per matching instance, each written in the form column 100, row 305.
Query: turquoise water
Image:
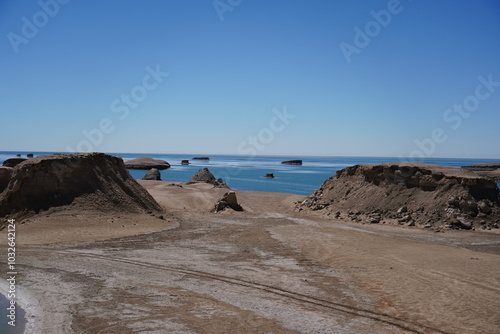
column 5, row 328
column 245, row 173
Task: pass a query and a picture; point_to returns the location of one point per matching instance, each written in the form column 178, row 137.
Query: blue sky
column 77, row 76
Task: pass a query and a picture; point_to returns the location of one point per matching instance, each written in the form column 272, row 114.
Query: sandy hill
column 409, row 193
column 92, row 181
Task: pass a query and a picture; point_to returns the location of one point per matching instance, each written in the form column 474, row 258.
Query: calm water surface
column 246, row 173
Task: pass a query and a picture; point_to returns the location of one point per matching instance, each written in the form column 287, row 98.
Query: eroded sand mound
column 409, row 193
column 92, row 181
column 206, row 176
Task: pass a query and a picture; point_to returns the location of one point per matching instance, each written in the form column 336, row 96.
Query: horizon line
column 260, row 155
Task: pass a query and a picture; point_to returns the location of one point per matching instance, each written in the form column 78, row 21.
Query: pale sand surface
column 267, row 269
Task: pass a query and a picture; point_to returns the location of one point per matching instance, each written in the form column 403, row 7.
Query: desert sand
column 267, row 269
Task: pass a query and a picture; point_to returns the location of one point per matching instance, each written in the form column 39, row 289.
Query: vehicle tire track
column 299, row 297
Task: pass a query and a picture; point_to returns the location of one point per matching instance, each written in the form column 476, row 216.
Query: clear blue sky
column 69, row 69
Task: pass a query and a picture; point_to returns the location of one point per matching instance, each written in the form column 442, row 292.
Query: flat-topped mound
column 409, row 193
column 146, row 163
column 491, row 170
column 91, row 181
column 488, row 167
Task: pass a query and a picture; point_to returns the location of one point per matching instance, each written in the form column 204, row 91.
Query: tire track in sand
column 298, row 297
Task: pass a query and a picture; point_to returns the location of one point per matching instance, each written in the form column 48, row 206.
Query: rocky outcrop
column 29, row 155
column 185, row 162
column 91, row 181
column 201, row 158
column 153, row 174
column 269, row 175
column 229, row 200
column 146, row 163
column 292, row 162
column 5, row 175
column 13, row 162
column 487, row 170
column 410, row 194
column 206, row 176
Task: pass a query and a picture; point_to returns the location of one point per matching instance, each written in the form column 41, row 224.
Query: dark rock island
column 146, row 163
column 292, row 162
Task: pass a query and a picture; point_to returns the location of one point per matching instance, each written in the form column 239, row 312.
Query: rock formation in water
column 146, row 163
column 292, row 162
column 411, row 194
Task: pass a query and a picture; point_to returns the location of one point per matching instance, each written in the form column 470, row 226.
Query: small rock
column 484, row 207
column 402, row 209
column 373, row 220
column 153, row 174
column 228, row 200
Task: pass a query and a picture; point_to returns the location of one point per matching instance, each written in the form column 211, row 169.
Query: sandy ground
column 264, row 270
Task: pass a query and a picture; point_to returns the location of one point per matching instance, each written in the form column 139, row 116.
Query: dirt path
column 266, row 270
